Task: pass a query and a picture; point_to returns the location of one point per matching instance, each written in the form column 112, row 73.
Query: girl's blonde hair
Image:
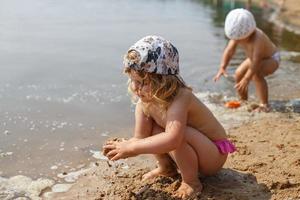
column 163, row 88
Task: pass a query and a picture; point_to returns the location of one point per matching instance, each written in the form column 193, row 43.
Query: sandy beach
column 289, row 15
column 285, row 15
column 266, row 165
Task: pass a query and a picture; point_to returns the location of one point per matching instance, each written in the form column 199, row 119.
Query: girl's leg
column 165, row 164
column 186, row 159
column 210, row 160
column 196, row 154
column 239, row 74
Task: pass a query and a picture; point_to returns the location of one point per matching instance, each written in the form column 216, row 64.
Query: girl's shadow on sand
column 231, row 184
column 228, row 184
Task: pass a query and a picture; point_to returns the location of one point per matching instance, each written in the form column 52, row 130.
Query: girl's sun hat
column 155, row 55
column 239, row 24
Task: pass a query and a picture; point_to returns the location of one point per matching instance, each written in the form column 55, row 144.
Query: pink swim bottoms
column 225, row 146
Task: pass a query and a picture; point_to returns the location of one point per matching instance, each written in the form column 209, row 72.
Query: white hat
column 239, row 24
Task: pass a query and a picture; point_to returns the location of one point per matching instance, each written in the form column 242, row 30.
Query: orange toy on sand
column 232, row 104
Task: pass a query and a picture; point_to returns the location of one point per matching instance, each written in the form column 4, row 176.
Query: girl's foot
column 159, row 171
column 189, row 191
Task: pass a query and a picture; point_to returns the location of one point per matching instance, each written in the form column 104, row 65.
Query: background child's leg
column 267, row 67
column 239, row 74
column 165, row 164
column 261, row 87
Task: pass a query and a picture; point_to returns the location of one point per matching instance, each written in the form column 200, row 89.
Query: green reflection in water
column 284, row 39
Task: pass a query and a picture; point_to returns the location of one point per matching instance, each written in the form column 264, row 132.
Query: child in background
column 262, row 56
column 170, row 121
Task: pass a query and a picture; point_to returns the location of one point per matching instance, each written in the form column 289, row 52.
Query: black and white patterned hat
column 156, row 55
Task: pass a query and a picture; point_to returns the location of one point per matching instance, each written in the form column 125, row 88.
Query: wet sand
column 286, row 15
column 266, row 166
column 289, row 15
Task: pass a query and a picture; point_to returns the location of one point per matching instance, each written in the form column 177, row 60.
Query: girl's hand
column 242, row 86
column 221, row 72
column 116, row 150
column 110, row 141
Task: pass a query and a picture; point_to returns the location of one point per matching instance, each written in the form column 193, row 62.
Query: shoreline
column 287, row 15
column 284, row 13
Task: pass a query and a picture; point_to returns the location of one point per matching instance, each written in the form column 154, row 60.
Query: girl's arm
column 143, row 123
column 159, row 143
column 173, row 136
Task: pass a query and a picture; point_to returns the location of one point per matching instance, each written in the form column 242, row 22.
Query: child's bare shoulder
column 185, row 94
column 260, row 37
column 262, row 44
column 183, row 98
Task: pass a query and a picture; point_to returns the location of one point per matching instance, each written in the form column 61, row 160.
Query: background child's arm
column 255, row 61
column 227, row 55
column 254, row 66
